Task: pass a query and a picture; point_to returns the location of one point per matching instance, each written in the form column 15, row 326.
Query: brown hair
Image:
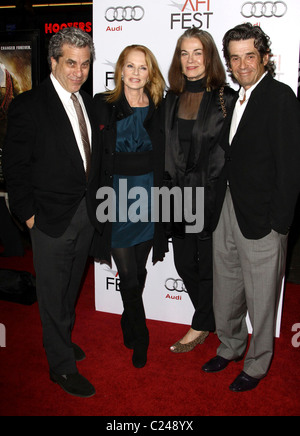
column 156, row 84
column 261, row 42
column 214, row 69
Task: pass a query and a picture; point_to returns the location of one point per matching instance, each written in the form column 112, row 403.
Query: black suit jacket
column 43, row 168
column 262, row 164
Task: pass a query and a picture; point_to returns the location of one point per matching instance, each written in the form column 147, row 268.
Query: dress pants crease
column 248, row 276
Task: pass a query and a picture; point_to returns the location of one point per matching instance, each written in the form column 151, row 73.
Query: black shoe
column 217, row 364
column 244, row 383
column 79, row 353
column 74, row 384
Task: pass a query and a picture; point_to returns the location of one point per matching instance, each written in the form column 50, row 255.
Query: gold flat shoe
column 185, row 348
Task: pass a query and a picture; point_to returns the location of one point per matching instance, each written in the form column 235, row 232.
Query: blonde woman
column 133, row 156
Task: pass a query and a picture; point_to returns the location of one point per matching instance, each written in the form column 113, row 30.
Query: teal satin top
column 133, row 224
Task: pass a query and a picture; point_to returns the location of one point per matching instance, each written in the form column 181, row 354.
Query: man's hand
column 30, row 222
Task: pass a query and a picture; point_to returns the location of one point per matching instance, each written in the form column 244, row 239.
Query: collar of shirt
column 240, row 108
column 249, row 91
column 63, row 94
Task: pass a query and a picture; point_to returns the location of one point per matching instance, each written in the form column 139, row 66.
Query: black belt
column 133, row 164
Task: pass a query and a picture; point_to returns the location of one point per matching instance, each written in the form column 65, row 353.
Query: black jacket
column 263, row 161
column 43, row 168
column 208, row 156
column 107, row 116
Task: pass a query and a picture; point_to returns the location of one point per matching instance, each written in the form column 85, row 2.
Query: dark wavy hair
column 261, row 42
column 214, row 69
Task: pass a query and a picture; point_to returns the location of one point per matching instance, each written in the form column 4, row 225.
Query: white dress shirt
column 240, row 108
column 65, row 97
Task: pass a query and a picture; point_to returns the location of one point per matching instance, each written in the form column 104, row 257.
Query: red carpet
column 169, row 385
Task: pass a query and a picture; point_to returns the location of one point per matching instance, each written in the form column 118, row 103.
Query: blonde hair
column 156, row 83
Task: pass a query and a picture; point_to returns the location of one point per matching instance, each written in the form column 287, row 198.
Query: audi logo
column 264, row 9
column 175, row 285
column 126, row 13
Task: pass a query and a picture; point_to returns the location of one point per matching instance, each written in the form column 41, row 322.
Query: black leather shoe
column 217, row 364
column 74, row 384
column 244, row 383
column 79, row 353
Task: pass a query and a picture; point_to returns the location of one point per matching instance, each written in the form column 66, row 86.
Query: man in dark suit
column 258, row 190
column 51, row 166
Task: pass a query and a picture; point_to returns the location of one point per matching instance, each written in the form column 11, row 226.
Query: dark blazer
column 263, row 161
column 43, row 168
column 206, row 156
column 107, row 116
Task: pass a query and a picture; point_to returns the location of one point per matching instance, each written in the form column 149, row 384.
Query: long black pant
column 193, row 261
column 131, row 264
column 59, row 265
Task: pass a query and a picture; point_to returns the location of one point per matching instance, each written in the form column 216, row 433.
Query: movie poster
column 17, row 74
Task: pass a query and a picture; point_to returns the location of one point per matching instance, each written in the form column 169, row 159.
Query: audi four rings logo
column 175, row 285
column 126, row 13
column 264, row 9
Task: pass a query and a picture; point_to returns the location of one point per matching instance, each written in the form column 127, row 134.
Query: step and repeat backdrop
column 158, row 24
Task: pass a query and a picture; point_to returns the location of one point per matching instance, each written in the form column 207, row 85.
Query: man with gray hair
column 51, row 165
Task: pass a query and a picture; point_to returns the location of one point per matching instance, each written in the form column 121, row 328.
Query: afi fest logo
column 2, row 336
column 192, row 13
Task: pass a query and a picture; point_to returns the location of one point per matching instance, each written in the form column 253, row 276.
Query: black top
column 188, row 111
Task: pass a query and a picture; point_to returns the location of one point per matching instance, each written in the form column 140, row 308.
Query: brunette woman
column 132, row 136
column 195, row 108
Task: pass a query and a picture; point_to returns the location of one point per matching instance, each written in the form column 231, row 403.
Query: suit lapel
column 63, row 127
column 254, row 103
column 250, row 109
column 225, row 131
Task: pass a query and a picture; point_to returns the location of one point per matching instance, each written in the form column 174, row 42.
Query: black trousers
column 59, row 264
column 193, row 261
